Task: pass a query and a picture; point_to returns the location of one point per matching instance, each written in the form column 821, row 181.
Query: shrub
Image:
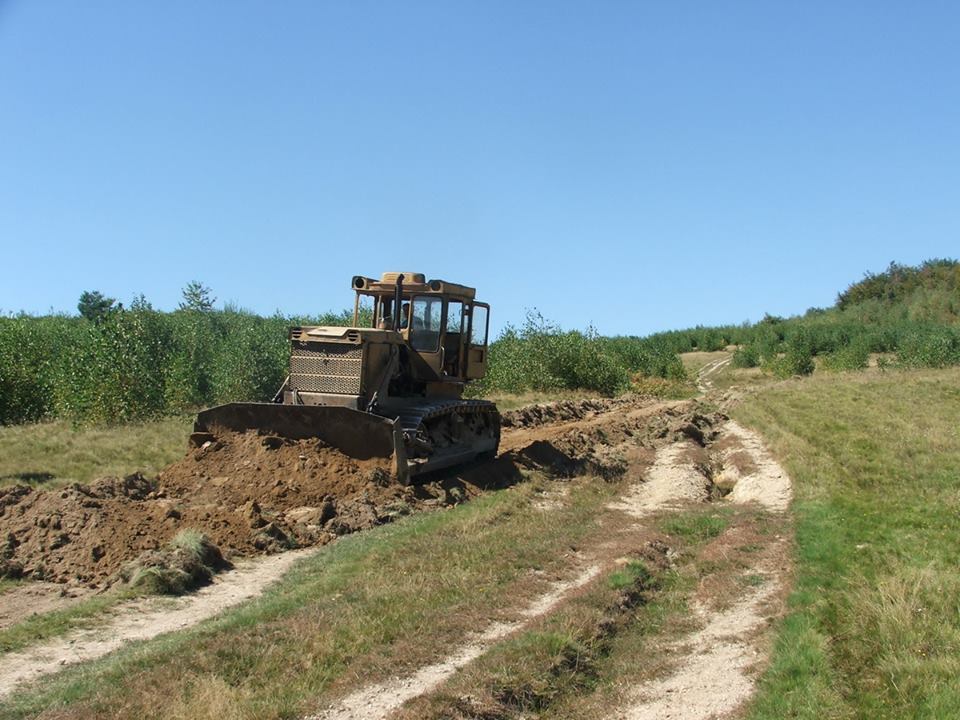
column 541, row 356
column 853, row 356
column 746, row 356
column 929, row 347
column 798, row 358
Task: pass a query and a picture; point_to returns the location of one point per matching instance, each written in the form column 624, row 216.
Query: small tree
column 94, row 306
column 197, row 296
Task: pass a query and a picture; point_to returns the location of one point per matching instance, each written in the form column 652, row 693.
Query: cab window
column 454, row 318
column 478, row 326
column 425, row 324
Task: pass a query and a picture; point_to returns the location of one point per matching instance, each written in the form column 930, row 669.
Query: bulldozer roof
column 412, row 283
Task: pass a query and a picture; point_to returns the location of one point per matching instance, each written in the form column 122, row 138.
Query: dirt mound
column 560, row 411
column 248, row 493
column 261, row 494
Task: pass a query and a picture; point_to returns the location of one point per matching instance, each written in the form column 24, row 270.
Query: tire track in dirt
column 379, row 701
column 382, row 700
column 671, row 481
column 146, row 619
column 715, row 663
column 704, row 384
column 714, row 679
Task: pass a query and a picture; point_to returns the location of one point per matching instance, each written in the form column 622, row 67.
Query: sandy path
column 35, row 598
column 715, row 678
column 671, row 480
column 145, row 619
column 715, row 675
column 379, row 701
column 704, row 384
column 768, row 484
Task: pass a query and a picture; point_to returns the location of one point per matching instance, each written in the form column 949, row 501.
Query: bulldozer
column 390, row 391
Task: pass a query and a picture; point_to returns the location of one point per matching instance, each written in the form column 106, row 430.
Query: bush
column 853, row 356
column 746, row 356
column 929, row 347
column 541, row 356
column 798, row 358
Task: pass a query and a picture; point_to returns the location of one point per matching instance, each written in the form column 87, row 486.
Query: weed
column 694, row 527
column 189, row 560
column 633, row 573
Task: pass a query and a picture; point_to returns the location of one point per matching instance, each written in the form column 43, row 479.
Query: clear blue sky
column 637, row 165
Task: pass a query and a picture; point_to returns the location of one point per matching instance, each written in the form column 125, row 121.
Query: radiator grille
column 326, row 369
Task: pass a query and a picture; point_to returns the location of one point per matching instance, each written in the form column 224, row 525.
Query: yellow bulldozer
column 393, row 390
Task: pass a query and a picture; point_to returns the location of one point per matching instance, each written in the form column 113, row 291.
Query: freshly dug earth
column 259, row 494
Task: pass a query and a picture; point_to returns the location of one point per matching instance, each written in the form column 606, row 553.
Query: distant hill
column 929, row 292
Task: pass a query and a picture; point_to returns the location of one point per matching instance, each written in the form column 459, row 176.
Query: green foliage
column 632, row 574
column 94, row 306
column 853, row 356
column 138, row 363
column 913, row 312
column 799, row 355
column 197, row 297
column 113, row 371
column 31, row 351
column 540, row 356
column 929, row 347
column 926, row 290
column 746, row 356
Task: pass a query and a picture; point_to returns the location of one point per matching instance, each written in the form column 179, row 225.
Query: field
column 743, row 522
column 867, row 550
column 874, row 627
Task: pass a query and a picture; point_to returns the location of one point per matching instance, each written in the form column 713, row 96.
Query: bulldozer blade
column 359, row 435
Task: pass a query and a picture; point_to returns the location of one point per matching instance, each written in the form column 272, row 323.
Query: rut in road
column 716, row 665
column 379, row 701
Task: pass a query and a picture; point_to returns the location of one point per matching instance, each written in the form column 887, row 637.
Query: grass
column 189, row 561
column 43, row 626
column 53, row 454
column 369, row 605
column 695, row 526
column 874, row 626
column 694, row 362
column 557, row 657
column 8, row 584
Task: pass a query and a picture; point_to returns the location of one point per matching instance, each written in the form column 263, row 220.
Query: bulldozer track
column 413, row 417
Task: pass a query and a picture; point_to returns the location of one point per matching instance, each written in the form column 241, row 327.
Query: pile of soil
column 252, row 494
column 247, row 493
column 560, row 411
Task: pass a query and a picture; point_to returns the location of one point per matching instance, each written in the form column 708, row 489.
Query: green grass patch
column 694, row 526
column 52, row 454
column 44, row 626
column 874, row 629
column 633, row 573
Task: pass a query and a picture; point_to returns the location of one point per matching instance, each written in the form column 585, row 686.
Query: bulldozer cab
column 441, row 322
